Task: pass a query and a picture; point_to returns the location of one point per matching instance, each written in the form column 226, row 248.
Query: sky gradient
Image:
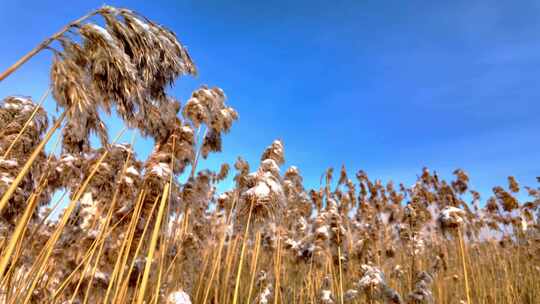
column 384, row 86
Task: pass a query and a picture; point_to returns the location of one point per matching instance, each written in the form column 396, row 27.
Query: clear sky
column 384, row 86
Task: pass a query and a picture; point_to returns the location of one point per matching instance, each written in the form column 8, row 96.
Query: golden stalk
column 27, row 123
column 118, row 266
column 206, row 260
column 19, row 247
column 218, row 258
column 49, row 246
column 136, row 288
column 461, row 246
column 21, row 226
column 214, row 268
column 229, row 261
column 237, row 285
column 87, row 264
column 183, row 228
column 340, row 275
column 155, row 234
column 277, row 271
column 165, row 243
column 254, row 259
column 87, row 256
column 9, row 192
column 106, row 224
column 20, row 231
column 120, row 293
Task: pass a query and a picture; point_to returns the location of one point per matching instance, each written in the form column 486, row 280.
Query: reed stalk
column 118, row 266
column 124, row 284
column 155, row 234
column 240, row 264
column 43, row 45
column 464, row 267
column 9, row 192
column 27, row 123
column 254, row 260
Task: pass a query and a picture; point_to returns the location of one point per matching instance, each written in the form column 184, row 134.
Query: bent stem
column 43, row 45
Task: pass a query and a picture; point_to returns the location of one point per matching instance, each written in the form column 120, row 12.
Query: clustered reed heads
column 207, row 106
column 126, row 65
column 262, row 191
column 133, row 231
column 20, row 114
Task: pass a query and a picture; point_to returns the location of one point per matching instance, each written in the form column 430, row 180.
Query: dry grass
column 133, row 232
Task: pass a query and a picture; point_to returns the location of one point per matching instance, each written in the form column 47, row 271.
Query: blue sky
column 384, row 86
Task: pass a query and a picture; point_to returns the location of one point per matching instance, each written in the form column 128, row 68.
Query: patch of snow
column 161, row 169
column 145, row 26
column 8, row 163
column 269, row 165
column 132, row 170
column 102, row 32
column 68, row 158
column 101, row 277
column 323, row 231
column 178, row 297
column 261, row 190
column 373, row 277
column 4, row 178
column 264, row 297
column 451, row 215
column 128, row 180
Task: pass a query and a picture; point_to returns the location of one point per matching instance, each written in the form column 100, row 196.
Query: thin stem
column 49, row 246
column 235, row 297
column 7, row 195
column 197, row 156
column 461, row 246
column 254, row 258
column 153, row 242
column 43, row 45
column 27, row 123
column 21, row 226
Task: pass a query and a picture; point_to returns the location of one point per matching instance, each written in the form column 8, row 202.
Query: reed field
column 156, row 230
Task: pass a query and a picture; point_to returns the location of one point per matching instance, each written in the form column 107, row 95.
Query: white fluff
column 4, row 178
column 264, row 297
column 102, row 32
column 101, row 277
column 187, row 129
column 451, row 215
column 373, row 276
column 524, row 224
column 8, row 163
column 323, row 231
column 326, row 297
column 261, row 190
column 161, row 169
column 269, row 165
column 178, row 297
column 132, row 170
column 68, row 158
column 128, row 180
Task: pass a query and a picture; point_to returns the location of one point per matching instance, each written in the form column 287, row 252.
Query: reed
column 133, row 231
